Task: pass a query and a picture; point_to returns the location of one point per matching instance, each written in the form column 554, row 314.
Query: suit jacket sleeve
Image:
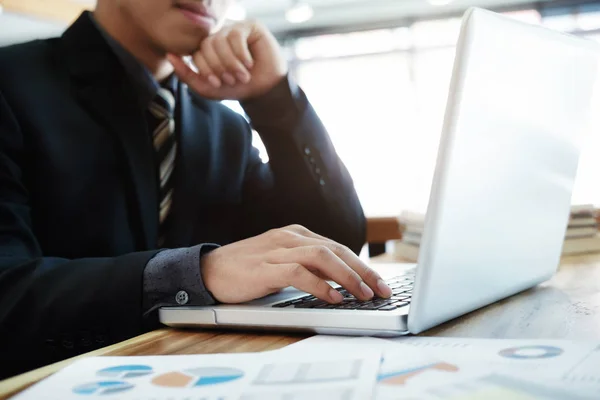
column 305, row 182
column 52, row 308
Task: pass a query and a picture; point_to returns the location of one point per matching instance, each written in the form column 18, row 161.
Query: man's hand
column 292, row 256
column 237, row 63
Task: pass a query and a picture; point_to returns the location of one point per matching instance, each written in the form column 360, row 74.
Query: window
column 436, row 33
column 394, row 83
column 588, row 21
column 573, row 19
column 583, row 20
column 358, row 43
column 530, row 16
column 363, row 100
column 396, row 93
column 561, row 21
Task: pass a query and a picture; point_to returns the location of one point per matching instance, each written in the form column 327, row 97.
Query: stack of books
column 582, row 234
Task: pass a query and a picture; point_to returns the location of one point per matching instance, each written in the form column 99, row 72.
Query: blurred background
column 377, row 71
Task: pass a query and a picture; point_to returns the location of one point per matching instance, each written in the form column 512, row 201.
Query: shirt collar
column 146, row 86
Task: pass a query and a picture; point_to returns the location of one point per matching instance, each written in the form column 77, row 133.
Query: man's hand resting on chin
column 239, row 62
column 292, row 256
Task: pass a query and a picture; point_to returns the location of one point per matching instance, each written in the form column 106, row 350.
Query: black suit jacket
column 79, row 194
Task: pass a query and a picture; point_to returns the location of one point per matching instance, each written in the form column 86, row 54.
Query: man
column 121, row 175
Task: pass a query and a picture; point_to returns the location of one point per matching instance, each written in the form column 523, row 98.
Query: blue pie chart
column 531, row 352
column 125, row 371
column 102, row 388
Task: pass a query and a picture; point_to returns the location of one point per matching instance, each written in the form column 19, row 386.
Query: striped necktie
column 162, row 110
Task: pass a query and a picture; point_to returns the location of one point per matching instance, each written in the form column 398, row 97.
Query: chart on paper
column 497, row 387
column 552, row 358
column 434, row 343
column 272, row 375
column 195, row 377
column 298, row 373
column 125, row 371
column 324, row 394
column 412, row 367
column 587, row 373
column 342, row 379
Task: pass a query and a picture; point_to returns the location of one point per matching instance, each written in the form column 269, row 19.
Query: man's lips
column 196, row 9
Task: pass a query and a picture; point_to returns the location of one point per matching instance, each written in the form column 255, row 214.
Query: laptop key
column 290, row 302
column 376, row 304
column 368, row 306
column 282, row 305
column 388, row 308
column 325, row 306
column 310, row 304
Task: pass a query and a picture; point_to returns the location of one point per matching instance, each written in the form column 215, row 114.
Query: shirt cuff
column 173, row 278
column 284, row 104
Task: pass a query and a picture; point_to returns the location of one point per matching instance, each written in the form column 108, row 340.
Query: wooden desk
column 567, row 307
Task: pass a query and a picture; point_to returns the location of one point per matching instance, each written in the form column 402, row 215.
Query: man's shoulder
column 19, row 58
column 17, row 53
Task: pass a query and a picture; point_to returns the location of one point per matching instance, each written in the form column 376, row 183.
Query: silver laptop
column 518, row 106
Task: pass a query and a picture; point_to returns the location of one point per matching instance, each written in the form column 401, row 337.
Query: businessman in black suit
column 125, row 185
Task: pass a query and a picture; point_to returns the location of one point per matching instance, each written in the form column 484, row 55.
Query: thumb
column 194, row 80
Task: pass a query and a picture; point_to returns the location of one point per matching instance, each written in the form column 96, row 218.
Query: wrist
column 264, row 92
column 208, row 272
column 279, row 103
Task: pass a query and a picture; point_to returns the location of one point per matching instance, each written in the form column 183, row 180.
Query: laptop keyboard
column 401, row 286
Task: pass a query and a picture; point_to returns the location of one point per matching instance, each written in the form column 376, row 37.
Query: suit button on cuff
column 182, row 298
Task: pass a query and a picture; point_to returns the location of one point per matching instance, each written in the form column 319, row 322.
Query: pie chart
column 102, row 388
column 531, row 352
column 125, row 371
column 196, row 377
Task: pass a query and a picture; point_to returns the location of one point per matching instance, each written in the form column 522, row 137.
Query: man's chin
column 184, row 48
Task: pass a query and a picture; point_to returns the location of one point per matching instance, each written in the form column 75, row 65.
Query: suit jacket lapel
column 102, row 86
column 193, row 160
